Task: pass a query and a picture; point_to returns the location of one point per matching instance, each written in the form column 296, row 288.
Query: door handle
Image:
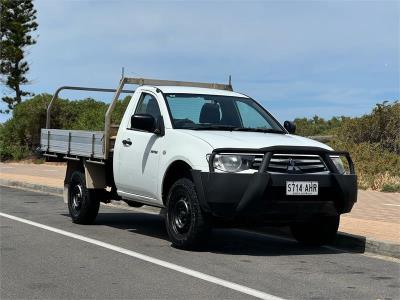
column 127, row 142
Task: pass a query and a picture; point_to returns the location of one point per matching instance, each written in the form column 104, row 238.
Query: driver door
column 140, row 155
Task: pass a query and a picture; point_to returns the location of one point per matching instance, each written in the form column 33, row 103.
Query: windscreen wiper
column 265, row 130
column 213, row 127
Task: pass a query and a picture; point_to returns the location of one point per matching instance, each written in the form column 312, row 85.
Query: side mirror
column 290, row 126
column 144, row 122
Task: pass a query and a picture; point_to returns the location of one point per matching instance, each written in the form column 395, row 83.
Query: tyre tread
column 90, row 205
column 199, row 228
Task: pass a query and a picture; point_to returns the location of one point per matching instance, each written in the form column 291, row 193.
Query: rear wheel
column 186, row 224
column 83, row 203
column 318, row 231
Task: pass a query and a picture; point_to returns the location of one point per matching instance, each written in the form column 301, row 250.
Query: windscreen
column 194, row 111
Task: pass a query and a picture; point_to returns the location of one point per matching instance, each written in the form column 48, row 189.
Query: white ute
column 207, row 155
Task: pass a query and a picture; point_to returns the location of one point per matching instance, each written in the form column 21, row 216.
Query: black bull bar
column 233, row 194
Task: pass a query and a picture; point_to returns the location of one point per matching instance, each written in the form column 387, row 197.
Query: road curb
column 32, row 186
column 345, row 241
column 363, row 244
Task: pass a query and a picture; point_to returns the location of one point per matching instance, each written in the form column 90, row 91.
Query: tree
column 17, row 22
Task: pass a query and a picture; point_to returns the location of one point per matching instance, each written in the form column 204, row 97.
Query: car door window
column 148, row 105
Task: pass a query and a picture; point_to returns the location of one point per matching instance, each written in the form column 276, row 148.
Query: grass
column 391, row 188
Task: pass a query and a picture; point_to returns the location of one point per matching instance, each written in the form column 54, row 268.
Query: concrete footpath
column 372, row 226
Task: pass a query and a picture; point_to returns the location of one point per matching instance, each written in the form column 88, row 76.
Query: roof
column 194, row 90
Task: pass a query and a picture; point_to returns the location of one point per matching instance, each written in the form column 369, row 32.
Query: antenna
column 122, row 72
column 230, row 80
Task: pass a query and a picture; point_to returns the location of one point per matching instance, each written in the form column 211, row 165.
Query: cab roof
column 193, row 90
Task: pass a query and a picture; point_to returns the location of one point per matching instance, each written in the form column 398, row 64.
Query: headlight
column 338, row 163
column 232, row 162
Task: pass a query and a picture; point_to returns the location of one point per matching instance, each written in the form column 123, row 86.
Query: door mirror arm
column 160, row 128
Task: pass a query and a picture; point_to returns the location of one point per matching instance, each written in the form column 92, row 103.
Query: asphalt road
column 127, row 254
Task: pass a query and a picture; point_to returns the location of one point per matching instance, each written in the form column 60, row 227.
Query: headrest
column 210, row 113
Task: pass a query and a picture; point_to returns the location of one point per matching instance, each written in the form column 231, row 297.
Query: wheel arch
column 95, row 175
column 177, row 169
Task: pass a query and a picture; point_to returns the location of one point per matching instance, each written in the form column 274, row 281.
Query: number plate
column 294, row 188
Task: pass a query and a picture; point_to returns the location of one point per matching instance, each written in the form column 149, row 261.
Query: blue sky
column 298, row 58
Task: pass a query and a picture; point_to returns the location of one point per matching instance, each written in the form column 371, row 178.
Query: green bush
column 391, row 188
column 12, row 144
column 318, row 126
column 381, row 127
column 373, row 141
column 375, row 166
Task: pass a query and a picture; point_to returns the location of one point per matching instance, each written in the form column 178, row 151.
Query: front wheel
column 186, row 224
column 83, row 203
column 317, row 231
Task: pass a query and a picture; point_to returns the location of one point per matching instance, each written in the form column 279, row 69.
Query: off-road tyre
column 186, row 223
column 83, row 203
column 317, row 231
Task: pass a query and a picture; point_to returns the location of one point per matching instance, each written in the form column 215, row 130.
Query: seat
column 210, row 113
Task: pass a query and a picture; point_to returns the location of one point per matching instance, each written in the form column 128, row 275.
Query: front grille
column 292, row 164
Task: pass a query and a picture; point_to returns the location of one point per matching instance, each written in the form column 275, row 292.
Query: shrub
column 12, row 145
column 373, row 141
column 375, row 166
column 381, row 127
column 317, row 126
column 390, row 188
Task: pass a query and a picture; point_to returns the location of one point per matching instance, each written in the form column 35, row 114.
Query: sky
column 297, row 58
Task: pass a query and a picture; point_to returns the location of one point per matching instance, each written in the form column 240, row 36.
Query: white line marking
column 159, row 262
column 389, row 204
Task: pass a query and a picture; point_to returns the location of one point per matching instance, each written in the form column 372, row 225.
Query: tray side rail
column 72, row 143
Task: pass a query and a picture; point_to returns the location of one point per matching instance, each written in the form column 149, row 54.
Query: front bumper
column 262, row 195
